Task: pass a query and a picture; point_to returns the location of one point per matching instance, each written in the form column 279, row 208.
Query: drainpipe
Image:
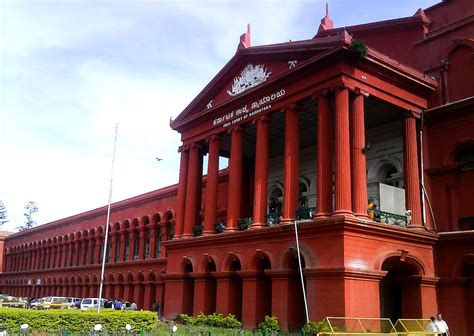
column 301, row 271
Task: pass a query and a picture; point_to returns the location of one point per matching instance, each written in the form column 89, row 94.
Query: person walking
column 155, row 307
column 432, row 326
column 442, row 325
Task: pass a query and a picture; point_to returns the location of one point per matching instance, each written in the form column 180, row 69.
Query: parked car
column 54, row 302
column 13, row 302
column 76, row 302
column 34, row 303
column 90, row 303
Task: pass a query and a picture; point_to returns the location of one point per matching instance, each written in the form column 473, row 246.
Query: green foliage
column 313, row 328
column 270, row 324
column 359, row 48
column 76, row 321
column 213, row 320
column 3, row 213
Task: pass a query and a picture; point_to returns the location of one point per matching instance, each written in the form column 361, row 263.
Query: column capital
column 291, row 107
column 263, row 118
column 359, row 91
column 407, row 114
column 183, row 148
column 235, row 129
column 213, row 137
column 316, row 95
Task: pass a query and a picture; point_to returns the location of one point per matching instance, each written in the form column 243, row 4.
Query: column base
column 362, row 215
column 416, row 226
column 342, row 213
column 287, row 221
column 256, row 226
column 207, row 233
column 322, row 215
column 186, row 236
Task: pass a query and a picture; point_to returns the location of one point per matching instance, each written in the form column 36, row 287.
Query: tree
column 30, row 208
column 3, row 213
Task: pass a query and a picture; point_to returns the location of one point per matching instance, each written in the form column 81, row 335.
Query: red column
column 324, row 177
column 211, row 185
column 59, row 252
column 98, row 249
column 411, row 173
column 261, row 174
column 77, row 253
column 153, row 240
column 181, row 203
column 85, row 247
column 132, row 237
column 234, row 205
column 291, row 175
column 63, row 256
column 343, row 203
column 54, row 251
column 358, row 163
column 91, row 256
column 142, row 242
column 192, row 190
column 122, row 246
column 113, row 253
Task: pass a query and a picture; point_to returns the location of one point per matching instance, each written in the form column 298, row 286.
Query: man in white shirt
column 432, row 326
column 442, row 325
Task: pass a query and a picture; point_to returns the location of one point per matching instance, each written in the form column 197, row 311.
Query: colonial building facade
column 314, row 130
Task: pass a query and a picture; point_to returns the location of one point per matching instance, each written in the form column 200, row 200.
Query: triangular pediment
column 251, row 68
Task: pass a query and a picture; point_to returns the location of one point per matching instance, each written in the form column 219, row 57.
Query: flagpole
column 104, row 252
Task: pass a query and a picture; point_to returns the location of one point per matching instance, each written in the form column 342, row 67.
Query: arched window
column 302, row 198
column 389, row 175
column 276, row 198
column 465, row 158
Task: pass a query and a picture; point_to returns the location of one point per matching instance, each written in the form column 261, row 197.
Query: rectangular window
column 93, row 255
column 117, row 251
column 158, row 245
column 127, row 250
column 147, row 246
column 137, row 248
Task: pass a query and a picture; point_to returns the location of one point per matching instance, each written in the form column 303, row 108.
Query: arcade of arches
column 320, row 132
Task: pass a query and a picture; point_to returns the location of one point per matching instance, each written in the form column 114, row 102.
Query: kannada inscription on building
column 248, row 110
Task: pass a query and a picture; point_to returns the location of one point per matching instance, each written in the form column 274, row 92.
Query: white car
column 90, row 303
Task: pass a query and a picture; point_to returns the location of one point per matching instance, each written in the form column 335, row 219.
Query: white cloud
column 70, row 70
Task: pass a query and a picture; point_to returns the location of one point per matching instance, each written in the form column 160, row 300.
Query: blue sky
column 70, row 70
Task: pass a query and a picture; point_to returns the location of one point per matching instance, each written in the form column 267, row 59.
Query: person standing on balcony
column 442, row 325
column 370, row 208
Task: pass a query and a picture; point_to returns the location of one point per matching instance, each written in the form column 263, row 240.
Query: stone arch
column 412, row 259
column 134, row 223
column 231, row 262
column 203, row 266
column 452, row 157
column 157, row 217
column 258, row 257
column 115, row 227
column 458, row 267
column 124, row 225
column 144, row 220
column 275, row 198
column 187, row 265
column 169, row 215
column 290, row 255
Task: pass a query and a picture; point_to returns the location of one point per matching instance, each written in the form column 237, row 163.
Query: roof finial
column 326, row 22
column 245, row 39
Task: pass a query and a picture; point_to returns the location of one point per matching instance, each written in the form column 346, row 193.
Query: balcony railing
column 389, row 218
column 274, row 218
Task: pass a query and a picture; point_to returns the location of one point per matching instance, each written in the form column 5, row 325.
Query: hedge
column 76, row 321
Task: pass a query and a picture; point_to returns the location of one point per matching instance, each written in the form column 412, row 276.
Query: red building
column 312, row 130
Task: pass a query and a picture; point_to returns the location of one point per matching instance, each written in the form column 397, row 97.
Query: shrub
column 270, row 324
column 313, row 328
column 76, row 321
column 213, row 320
column 359, row 48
